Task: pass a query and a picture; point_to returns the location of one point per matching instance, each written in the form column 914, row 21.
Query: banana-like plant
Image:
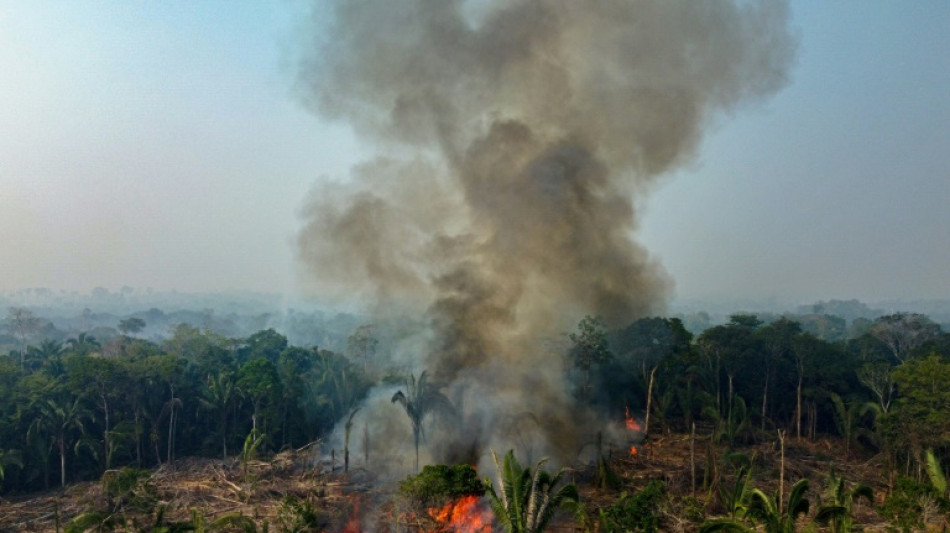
column 837, row 510
column 525, row 500
column 766, row 510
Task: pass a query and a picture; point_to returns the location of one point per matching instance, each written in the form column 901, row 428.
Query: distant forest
column 94, row 391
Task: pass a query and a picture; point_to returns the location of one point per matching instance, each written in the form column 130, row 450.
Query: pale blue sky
column 161, row 144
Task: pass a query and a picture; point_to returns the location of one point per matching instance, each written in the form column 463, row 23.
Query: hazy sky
column 163, row 145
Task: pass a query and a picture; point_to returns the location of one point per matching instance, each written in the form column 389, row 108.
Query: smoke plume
column 513, row 138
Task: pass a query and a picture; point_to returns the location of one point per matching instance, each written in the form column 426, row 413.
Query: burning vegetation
column 515, row 141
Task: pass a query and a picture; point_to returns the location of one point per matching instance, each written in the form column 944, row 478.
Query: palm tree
column 524, row 501
column 220, row 396
column 840, row 501
column 419, row 400
column 83, row 344
column 48, row 351
column 59, row 418
column 847, row 418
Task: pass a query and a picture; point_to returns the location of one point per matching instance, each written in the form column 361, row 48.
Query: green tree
column 48, row 351
column 777, row 341
column 61, row 418
column 293, row 367
column 131, row 326
column 920, row 417
column 524, row 500
column 102, row 378
column 590, row 349
column 219, row 396
column 82, row 344
column 727, row 346
column 266, row 344
column 257, row 381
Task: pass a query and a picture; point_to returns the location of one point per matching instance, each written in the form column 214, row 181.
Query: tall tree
column 61, row 418
column 805, row 347
column 903, row 332
column 101, row 378
column 24, row 325
column 83, row 344
column 266, row 344
column 219, row 396
column 777, row 339
column 589, row 350
column 420, row 399
column 257, row 381
column 920, row 417
column 361, row 345
column 46, row 353
column 293, row 365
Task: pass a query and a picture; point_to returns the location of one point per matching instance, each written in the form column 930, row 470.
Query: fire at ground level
column 278, row 489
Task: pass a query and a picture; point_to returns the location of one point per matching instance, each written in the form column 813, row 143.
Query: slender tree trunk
column 138, row 437
column 692, row 459
column 415, row 436
column 156, row 441
column 224, row 436
column 646, row 418
column 171, row 427
column 781, row 472
column 171, row 432
column 798, row 408
column 62, row 461
column 765, row 397
column 729, row 399
column 366, row 444
column 106, row 437
column 283, row 425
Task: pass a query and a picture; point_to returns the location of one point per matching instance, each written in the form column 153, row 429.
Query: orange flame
column 353, row 522
column 461, row 516
column 633, row 450
column 631, row 422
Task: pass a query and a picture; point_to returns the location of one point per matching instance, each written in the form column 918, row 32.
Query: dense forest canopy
column 76, row 403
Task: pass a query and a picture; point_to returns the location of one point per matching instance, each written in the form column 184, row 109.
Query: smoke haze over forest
column 166, row 146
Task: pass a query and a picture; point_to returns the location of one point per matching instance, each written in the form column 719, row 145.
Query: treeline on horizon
column 73, row 408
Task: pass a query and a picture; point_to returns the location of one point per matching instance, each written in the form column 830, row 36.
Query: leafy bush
column 638, row 512
column 297, row 516
column 435, row 485
column 129, row 488
column 904, row 507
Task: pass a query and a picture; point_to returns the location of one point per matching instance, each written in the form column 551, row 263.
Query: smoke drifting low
column 513, row 138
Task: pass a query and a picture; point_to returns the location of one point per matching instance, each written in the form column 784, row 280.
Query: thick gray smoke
column 514, row 137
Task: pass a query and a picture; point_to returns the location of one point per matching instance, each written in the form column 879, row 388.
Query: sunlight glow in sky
column 163, row 145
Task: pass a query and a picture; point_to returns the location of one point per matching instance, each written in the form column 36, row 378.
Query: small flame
column 631, row 422
column 461, row 516
column 633, row 451
column 353, row 522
